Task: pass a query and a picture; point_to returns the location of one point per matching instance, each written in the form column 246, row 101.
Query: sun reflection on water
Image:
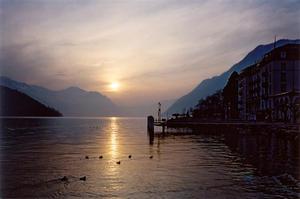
column 114, row 138
column 112, row 170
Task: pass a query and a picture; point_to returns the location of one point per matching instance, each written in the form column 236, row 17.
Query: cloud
column 171, row 45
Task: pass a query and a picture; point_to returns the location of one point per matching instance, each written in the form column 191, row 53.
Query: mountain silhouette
column 210, row 86
column 72, row 101
column 15, row 103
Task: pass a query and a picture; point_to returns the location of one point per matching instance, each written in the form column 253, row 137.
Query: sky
column 148, row 50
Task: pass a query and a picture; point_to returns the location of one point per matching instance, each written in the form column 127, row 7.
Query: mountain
column 145, row 110
column 210, row 86
column 15, row 103
column 72, row 101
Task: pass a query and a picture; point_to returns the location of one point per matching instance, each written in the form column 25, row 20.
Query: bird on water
column 64, row 179
column 83, row 178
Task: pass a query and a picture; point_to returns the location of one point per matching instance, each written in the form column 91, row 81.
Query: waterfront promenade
column 223, row 126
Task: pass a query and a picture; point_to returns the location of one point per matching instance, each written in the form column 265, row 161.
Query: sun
column 114, row 86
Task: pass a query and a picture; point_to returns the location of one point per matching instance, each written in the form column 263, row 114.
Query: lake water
column 36, row 153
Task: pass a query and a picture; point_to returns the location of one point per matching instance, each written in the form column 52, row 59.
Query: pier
column 159, row 123
column 223, row 126
column 218, row 126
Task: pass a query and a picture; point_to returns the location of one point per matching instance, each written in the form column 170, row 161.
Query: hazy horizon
column 135, row 52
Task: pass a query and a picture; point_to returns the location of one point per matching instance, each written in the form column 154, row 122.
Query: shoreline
column 229, row 126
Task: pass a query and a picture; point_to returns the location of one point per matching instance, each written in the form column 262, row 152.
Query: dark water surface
column 37, row 153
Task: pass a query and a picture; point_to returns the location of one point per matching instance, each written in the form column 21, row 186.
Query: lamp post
column 159, row 112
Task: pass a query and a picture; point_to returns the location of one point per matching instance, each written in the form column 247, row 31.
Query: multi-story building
column 270, row 89
column 230, row 98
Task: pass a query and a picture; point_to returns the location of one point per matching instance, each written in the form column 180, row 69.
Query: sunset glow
column 114, row 86
column 111, row 47
column 150, row 98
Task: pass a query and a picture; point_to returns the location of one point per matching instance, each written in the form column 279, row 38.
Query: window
column 283, row 55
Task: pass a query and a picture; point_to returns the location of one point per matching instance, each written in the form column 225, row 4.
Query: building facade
column 230, row 98
column 270, row 89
